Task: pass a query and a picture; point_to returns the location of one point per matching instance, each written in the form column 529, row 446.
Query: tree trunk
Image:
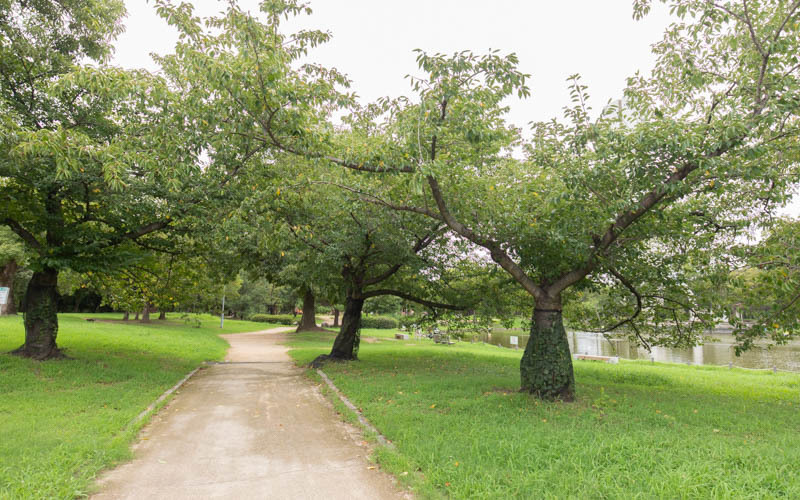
column 162, row 315
column 7, row 274
column 136, row 318
column 308, row 320
column 546, row 366
column 41, row 319
column 126, row 316
column 347, row 341
column 146, row 314
column 335, row 317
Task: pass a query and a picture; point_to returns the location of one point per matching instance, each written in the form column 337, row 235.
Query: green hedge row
column 280, row 319
column 383, row 322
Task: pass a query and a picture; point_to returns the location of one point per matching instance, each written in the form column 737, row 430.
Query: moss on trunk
column 41, row 316
column 546, row 365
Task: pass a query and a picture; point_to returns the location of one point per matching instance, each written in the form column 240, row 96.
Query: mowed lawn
column 63, row 421
column 638, row 430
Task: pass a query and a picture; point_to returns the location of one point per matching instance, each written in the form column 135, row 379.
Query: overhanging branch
column 23, row 233
column 412, row 298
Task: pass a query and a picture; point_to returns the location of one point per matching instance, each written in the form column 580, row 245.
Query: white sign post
column 4, row 295
column 513, row 340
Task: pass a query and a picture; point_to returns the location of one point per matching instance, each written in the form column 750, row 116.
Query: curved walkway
column 254, row 428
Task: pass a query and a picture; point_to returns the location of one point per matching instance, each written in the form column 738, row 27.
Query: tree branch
column 23, row 233
column 635, row 293
column 496, row 251
column 407, row 296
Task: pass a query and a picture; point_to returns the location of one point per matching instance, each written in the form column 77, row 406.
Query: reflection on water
column 785, row 357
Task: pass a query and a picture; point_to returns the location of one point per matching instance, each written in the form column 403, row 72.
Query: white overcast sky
column 373, row 43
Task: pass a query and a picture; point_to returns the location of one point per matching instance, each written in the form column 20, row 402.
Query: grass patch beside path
column 62, row 421
column 638, row 430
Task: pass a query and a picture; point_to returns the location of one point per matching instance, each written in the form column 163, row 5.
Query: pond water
column 719, row 352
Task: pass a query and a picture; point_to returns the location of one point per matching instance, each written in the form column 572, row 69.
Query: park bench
column 590, row 357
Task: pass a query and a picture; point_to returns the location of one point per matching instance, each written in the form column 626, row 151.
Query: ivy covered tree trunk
column 308, row 320
column 41, row 318
column 345, row 346
column 546, row 366
column 7, row 274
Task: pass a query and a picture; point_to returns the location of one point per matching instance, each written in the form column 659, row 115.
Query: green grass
column 63, row 421
column 638, row 430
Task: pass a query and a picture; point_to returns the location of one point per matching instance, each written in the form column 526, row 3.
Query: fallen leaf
column 433, row 406
column 371, row 467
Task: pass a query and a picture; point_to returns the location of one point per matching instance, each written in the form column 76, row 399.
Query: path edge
column 154, row 405
column 361, row 418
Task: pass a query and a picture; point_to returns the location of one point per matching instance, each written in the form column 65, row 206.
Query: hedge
column 280, row 319
column 383, row 322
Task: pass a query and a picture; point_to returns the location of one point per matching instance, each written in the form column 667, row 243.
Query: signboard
column 3, row 295
column 513, row 340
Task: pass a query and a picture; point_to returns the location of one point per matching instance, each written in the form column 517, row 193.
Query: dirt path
column 254, row 428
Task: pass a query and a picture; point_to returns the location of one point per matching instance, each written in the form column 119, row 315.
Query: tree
column 700, row 150
column 306, row 229
column 763, row 293
column 639, row 200
column 91, row 160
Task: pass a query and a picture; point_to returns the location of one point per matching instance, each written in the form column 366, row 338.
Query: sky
column 373, row 43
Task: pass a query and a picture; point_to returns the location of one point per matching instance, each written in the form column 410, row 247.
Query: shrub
column 280, row 319
column 383, row 322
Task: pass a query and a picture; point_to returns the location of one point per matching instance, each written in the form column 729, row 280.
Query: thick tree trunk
column 335, row 317
column 308, row 320
column 162, row 315
column 7, row 274
column 345, row 347
column 546, row 366
column 41, row 319
column 126, row 316
column 146, row 314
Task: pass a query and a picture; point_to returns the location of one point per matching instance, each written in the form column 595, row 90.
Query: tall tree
column 91, row 159
column 637, row 199
column 703, row 148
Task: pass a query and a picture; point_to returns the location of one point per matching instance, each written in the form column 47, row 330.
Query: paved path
column 255, row 428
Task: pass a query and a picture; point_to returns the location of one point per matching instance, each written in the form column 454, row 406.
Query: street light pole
column 222, row 315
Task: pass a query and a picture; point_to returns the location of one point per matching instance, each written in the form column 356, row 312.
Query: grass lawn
column 62, row 421
column 638, row 430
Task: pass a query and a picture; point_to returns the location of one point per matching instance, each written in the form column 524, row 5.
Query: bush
column 383, row 322
column 280, row 319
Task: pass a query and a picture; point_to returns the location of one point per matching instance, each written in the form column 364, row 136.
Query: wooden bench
column 590, row 357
